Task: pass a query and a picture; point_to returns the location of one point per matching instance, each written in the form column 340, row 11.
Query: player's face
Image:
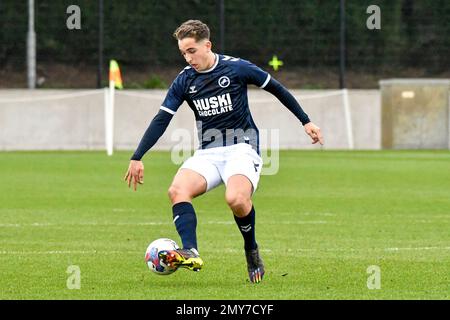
column 197, row 54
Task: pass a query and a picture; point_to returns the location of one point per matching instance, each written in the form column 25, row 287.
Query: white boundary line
column 153, row 223
column 40, row 224
column 417, row 249
column 227, row 250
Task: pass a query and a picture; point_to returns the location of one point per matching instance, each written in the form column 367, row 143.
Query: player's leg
column 241, row 174
column 238, row 196
column 195, row 177
column 186, row 185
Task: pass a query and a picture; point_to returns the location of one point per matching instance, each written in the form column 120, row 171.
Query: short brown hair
column 192, row 29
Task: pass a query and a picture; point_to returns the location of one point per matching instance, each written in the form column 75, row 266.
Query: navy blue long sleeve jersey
column 218, row 98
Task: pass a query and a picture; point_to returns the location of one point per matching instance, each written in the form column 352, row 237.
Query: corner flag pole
column 348, row 119
column 109, row 119
column 115, row 81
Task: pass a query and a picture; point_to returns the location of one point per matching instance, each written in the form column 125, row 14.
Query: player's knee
column 237, row 201
column 177, row 194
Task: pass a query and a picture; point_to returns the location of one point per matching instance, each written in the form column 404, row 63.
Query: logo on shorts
column 224, row 81
column 256, row 165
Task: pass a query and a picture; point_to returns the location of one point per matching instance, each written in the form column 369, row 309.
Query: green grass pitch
column 322, row 221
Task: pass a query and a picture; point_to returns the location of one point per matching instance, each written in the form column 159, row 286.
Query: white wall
column 74, row 119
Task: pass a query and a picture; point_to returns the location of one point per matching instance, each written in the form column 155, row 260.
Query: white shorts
column 217, row 165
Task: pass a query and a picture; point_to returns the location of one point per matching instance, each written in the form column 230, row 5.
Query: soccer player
column 215, row 88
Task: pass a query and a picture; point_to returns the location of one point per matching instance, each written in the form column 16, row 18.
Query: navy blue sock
column 247, row 227
column 186, row 224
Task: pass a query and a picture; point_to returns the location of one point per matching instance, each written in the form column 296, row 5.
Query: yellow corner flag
column 114, row 74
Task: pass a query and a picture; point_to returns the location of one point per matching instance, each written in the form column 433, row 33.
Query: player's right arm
column 157, row 127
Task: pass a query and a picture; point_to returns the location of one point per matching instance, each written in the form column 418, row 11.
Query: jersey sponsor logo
column 214, row 105
column 224, row 81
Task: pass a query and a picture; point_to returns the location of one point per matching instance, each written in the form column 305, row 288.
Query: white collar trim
column 213, row 67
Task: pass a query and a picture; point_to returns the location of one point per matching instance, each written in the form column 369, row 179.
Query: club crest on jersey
column 214, row 105
column 224, row 81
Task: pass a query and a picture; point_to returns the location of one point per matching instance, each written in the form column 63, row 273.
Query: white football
column 152, row 259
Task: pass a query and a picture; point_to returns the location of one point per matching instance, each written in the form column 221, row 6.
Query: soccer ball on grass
column 152, row 256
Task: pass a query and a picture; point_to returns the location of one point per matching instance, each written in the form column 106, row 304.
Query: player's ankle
column 194, row 251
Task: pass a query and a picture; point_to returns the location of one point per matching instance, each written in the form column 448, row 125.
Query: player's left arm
column 254, row 75
column 289, row 101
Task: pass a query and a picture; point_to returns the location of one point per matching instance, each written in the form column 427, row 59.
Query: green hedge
column 302, row 33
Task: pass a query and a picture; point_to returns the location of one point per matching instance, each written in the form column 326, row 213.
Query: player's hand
column 314, row 132
column 135, row 173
